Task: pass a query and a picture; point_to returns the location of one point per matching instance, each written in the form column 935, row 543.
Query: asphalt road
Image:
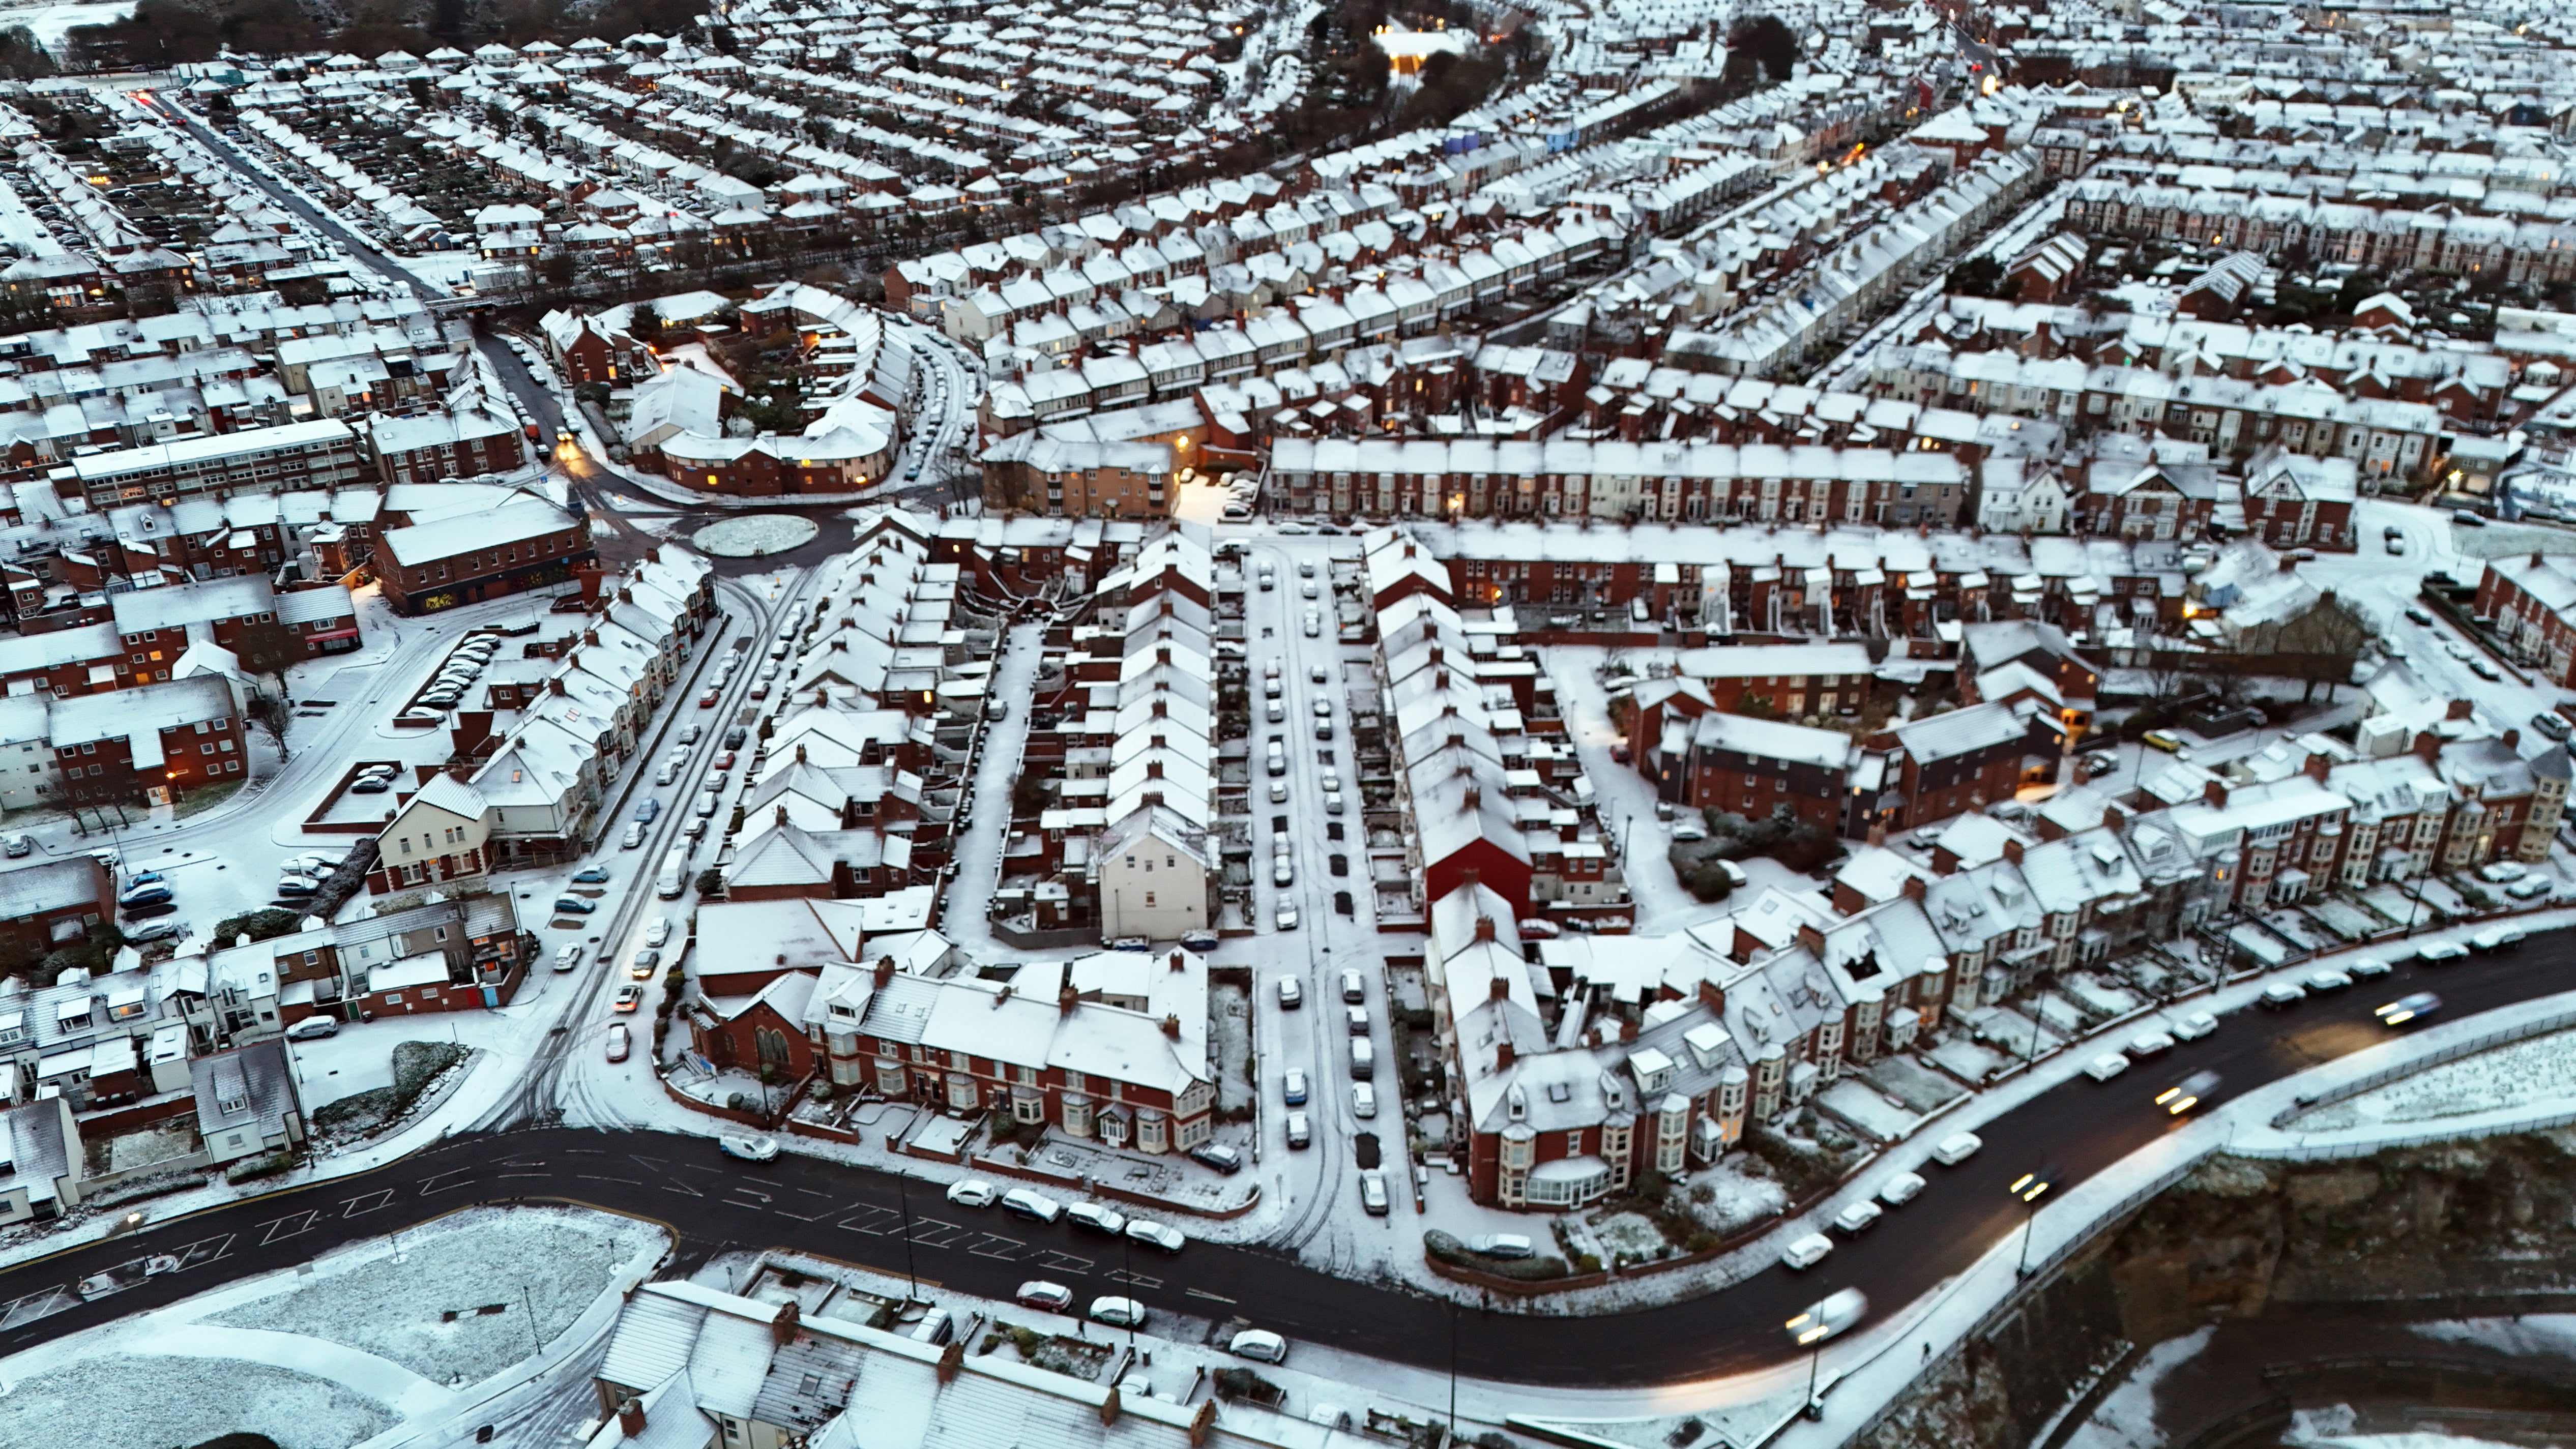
column 857, row 1215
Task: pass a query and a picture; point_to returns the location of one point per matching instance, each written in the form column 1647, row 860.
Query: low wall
column 1072, row 1182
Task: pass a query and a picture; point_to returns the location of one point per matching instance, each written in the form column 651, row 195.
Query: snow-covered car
column 973, row 1192
column 1156, row 1235
column 1956, row 1148
column 2150, row 1043
column 1901, row 1189
column 1373, row 1199
column 2365, row 968
column 2326, row 979
column 619, row 1040
column 1301, row 1131
column 2496, row 938
column 2530, row 887
column 1258, row 1344
column 1860, row 1217
column 1219, row 1156
column 2502, row 872
column 1038, row 1293
column 313, row 1028
column 1287, row 917
column 1807, row 1252
column 1292, row 993
column 567, row 957
column 1118, row 1312
column 1292, row 1087
column 1502, row 1245
column 2413, row 1007
column 2282, row 995
column 1031, row 1204
column 1097, row 1218
column 2106, row 1066
column 747, row 1147
column 2195, row 1026
column 657, row 931
column 2435, row 952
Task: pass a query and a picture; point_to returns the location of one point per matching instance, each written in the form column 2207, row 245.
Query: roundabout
column 755, row 536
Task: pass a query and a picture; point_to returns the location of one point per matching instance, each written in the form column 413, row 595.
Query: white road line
column 1211, row 1297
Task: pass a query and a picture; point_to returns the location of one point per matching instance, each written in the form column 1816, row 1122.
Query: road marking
column 28, row 1309
column 205, row 1250
column 432, row 1183
column 1135, row 1280
column 277, row 1227
column 1203, row 1293
column 366, row 1202
column 994, row 1245
column 1063, row 1262
column 602, row 1177
column 874, row 1216
column 675, row 1185
column 923, row 1230
column 734, row 1194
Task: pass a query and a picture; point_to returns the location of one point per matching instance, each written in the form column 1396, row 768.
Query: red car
column 707, row 700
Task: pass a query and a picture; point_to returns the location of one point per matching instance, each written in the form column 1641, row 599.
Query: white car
column 1118, row 1312
column 1901, row 1189
column 1033, row 1205
column 1956, row 1148
column 2530, row 887
column 2106, row 1066
column 1287, row 914
column 1859, row 1217
column 2435, row 951
column 1258, row 1344
column 748, row 1148
column 313, row 1028
column 973, row 1192
column 2497, row 938
column 2502, row 872
column 2365, row 968
column 567, row 957
column 1156, row 1235
column 2327, row 979
column 2195, row 1026
column 2150, row 1043
column 657, row 932
column 1808, row 1251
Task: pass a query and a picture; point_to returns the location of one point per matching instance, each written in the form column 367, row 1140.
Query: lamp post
column 1815, row 1323
column 2030, row 1187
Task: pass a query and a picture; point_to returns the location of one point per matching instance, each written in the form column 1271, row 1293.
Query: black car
column 1342, row 902
column 1219, row 1156
column 150, row 909
column 734, row 737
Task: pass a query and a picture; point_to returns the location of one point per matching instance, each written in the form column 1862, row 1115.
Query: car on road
column 2434, row 953
column 1824, row 1319
column 567, row 957
column 619, row 1041
column 1301, row 1132
column 1807, row 1252
column 595, row 875
column 649, row 811
column 2420, row 617
column 1956, row 1148
column 1858, row 1218
column 1098, row 1219
column 1901, row 1189
column 574, row 906
column 2150, row 1044
column 973, row 1192
column 1502, row 1245
column 1156, row 1235
column 2280, row 996
column 1031, row 1204
column 1118, row 1312
column 1038, row 1293
column 2106, row 1066
column 1373, row 1199
column 2414, row 1006
column 629, row 998
column 1286, row 919
column 2496, row 938
column 2195, row 1026
column 313, row 1028
column 657, row 932
column 1292, row 993
column 2326, row 979
column 1259, row 1345
column 2552, row 724
column 747, row 1147
column 1363, row 1100
column 1219, row 1156
column 2188, row 1093
column 2365, row 968
column 634, row 836
column 1292, row 1087
column 646, row 961
column 1314, row 624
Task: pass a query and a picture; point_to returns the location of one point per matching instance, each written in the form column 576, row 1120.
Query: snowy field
column 341, row 1349
column 2526, row 1072
column 2126, row 1417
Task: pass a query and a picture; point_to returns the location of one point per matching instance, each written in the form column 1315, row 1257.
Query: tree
column 1767, row 41
column 269, row 712
column 21, row 58
column 260, row 925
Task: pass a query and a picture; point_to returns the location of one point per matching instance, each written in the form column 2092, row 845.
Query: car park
column 1097, row 1218
column 747, row 1147
column 1901, row 1189
column 2106, row 1066
column 1031, row 1204
column 1859, row 1218
column 1807, row 1252
column 2413, row 1007
column 1156, row 1235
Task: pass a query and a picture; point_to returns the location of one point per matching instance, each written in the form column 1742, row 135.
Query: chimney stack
column 2214, row 794
column 1499, row 990
column 1484, row 928
column 1066, row 998
column 885, row 971
column 1503, row 1057
column 630, row 1416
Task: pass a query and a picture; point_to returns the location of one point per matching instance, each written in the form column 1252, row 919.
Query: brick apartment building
column 2531, row 601
column 152, row 743
column 1931, row 769
column 1031, row 473
column 524, row 544
column 48, row 906
column 322, row 454
column 433, row 446
column 1754, row 767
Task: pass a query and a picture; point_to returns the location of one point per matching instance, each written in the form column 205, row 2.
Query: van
column 674, row 875
column 1363, row 1058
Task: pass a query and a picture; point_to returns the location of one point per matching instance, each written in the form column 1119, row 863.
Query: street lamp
column 2030, row 1187
column 1817, row 1322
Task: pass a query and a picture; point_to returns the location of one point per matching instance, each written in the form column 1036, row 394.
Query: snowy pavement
column 376, row 1343
column 977, row 865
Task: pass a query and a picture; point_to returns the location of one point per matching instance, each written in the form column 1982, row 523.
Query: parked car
column 1373, row 1198
column 649, row 811
column 1292, row 1087
column 574, row 906
column 1219, row 1156
column 748, row 1148
column 1031, row 1204
column 2325, row 979
column 1292, row 993
column 313, row 1028
column 1502, row 1245
column 1363, row 1100
column 1956, row 1148
column 152, row 893
column 2106, row 1066
column 1286, row 917
column 2282, row 995
column 595, row 875
column 1118, row 1312
column 1301, row 1132
column 2150, row 1043
column 567, row 957
column 1258, row 1344
column 1097, row 1218
column 1858, row 1218
column 1156, row 1235
column 2496, row 938
column 2530, row 888
column 634, row 836
column 618, row 1041
column 1807, row 1252
column 2365, row 968
column 2434, row 953
column 1901, row 1189
column 973, row 1192
column 2195, row 1026
column 707, row 700
column 1053, row 1297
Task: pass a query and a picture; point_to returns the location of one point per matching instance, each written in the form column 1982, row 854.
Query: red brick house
column 154, row 743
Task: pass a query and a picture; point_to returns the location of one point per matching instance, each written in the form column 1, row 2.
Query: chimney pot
column 630, row 1416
